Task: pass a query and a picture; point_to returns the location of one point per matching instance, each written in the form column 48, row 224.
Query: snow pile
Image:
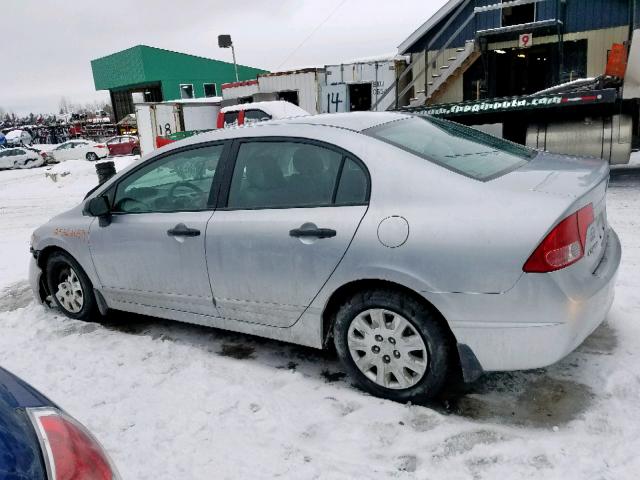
column 171, row 401
column 29, row 198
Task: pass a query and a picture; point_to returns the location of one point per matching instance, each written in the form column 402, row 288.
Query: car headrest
column 308, row 161
column 263, row 172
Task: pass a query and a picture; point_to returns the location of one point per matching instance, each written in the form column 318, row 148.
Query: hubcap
column 69, row 292
column 387, row 349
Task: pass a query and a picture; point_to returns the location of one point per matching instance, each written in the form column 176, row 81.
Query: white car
column 18, row 137
column 79, row 150
column 20, row 157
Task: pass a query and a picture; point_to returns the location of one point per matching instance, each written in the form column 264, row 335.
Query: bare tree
column 65, row 105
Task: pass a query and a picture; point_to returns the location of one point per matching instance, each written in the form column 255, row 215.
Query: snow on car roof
column 277, row 109
column 14, row 133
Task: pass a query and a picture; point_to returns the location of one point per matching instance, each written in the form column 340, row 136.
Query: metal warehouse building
column 485, row 49
column 159, row 75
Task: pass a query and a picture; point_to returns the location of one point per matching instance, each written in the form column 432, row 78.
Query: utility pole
column 224, row 41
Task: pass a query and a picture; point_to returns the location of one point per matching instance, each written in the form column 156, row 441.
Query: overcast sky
column 47, row 45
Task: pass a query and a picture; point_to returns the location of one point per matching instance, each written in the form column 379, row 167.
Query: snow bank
column 29, row 198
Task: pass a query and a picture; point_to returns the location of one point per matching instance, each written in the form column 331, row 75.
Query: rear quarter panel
column 465, row 236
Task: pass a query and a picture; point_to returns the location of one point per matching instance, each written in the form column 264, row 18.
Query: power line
column 311, row 34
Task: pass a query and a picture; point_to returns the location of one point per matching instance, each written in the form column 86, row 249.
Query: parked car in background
column 18, row 137
column 21, row 157
column 3, row 140
column 246, row 113
column 39, row 441
column 78, row 150
column 474, row 254
column 123, row 145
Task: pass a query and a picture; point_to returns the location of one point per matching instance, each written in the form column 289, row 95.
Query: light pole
column 224, row 41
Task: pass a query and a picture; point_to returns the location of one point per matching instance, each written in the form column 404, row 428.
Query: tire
column 59, row 270
column 135, row 151
column 429, row 366
column 92, row 157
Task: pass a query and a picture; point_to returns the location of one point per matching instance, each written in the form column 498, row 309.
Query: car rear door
column 290, row 209
column 62, row 152
column 153, row 251
column 112, row 145
column 81, row 149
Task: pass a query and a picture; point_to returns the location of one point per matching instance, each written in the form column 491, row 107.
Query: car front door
column 121, row 146
column 20, row 157
column 153, row 251
column 289, row 215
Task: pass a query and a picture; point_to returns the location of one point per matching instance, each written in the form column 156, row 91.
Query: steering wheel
column 190, row 185
column 123, row 201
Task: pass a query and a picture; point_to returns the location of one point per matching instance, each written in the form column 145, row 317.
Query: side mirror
column 98, row 207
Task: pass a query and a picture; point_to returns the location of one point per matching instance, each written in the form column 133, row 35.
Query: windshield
column 456, row 147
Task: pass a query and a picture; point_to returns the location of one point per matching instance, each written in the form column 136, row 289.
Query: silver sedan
column 422, row 249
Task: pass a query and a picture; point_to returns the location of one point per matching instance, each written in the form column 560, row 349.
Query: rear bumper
column 536, row 323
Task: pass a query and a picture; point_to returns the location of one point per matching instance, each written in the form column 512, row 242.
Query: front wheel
column 135, row 151
column 92, row 157
column 70, row 287
column 392, row 346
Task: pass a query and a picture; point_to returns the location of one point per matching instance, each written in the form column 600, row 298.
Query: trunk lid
column 576, row 182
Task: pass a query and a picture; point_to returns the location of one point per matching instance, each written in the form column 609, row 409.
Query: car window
column 230, row 118
column 456, row 147
column 283, row 174
column 178, row 182
column 19, row 152
column 353, row 186
column 255, row 115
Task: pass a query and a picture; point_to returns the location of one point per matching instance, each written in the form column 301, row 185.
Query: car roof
column 354, row 121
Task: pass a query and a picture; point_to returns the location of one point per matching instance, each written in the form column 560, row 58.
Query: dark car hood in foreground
column 20, row 457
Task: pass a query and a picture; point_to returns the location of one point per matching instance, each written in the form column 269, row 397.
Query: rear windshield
column 459, row 148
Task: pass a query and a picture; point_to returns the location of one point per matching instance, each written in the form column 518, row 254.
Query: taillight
column 564, row 245
column 241, row 117
column 220, row 122
column 70, row 451
column 101, row 146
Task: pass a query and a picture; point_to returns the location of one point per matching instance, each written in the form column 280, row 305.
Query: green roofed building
column 158, row 75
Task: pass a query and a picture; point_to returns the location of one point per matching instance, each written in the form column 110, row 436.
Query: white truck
column 162, row 122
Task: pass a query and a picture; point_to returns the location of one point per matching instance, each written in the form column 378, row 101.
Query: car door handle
column 312, row 232
column 181, row 230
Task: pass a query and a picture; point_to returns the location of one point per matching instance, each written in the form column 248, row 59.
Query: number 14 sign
column 525, row 40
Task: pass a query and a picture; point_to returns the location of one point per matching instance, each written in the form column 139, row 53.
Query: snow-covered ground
column 173, row 401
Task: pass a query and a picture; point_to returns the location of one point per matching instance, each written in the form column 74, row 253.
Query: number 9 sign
column 525, row 41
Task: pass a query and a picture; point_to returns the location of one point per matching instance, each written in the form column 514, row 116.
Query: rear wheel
column 92, row 157
column 70, row 287
column 392, row 345
column 135, row 151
